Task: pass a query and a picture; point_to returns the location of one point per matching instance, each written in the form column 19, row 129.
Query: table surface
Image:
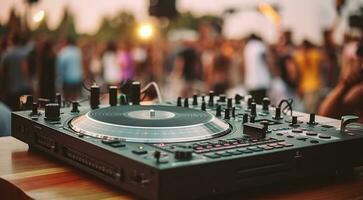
column 26, row 174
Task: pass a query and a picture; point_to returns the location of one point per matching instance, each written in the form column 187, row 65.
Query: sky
column 306, row 18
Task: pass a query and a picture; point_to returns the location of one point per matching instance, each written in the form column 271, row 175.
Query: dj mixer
column 191, row 148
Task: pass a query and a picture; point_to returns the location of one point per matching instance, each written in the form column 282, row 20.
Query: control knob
column 52, row 112
column 183, row 155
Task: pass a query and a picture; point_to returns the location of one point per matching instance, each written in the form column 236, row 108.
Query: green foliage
column 188, row 21
column 120, row 27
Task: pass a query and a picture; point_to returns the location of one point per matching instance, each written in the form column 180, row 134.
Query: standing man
column 256, row 72
column 69, row 67
column 14, row 71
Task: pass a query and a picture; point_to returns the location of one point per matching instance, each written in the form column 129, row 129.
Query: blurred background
column 283, row 49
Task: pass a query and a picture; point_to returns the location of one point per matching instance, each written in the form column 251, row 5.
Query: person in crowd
column 308, row 59
column 221, row 67
column 69, row 68
column 256, row 70
column 185, row 73
column 46, row 60
column 5, row 120
column 346, row 97
column 330, row 64
column 287, row 68
column 111, row 68
column 126, row 62
column 14, row 71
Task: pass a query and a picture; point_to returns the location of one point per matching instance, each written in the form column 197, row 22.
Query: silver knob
column 347, row 119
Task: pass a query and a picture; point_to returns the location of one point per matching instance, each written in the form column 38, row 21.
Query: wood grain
column 30, row 175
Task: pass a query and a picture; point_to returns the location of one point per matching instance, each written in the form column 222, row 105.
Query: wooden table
column 25, row 174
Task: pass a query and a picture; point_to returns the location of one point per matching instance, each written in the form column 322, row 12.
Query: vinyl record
column 149, row 124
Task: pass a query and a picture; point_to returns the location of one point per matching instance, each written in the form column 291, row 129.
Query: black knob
column 234, row 112
column 186, row 102
column 312, row 119
column 95, row 96
column 75, row 105
column 34, row 109
column 112, row 91
column 222, row 98
column 265, row 124
column 135, row 93
column 265, row 103
column 219, row 110
column 58, row 96
column 195, row 99
column 253, row 109
column 179, row 102
column 277, row 113
column 245, row 118
column 211, row 98
column 29, row 102
column 254, row 131
column 157, row 155
column 52, row 112
column 183, row 155
column 227, row 113
column 253, row 119
column 294, row 120
column 229, row 102
column 203, row 97
column 203, row 106
column 249, row 102
column 123, row 99
column 237, row 99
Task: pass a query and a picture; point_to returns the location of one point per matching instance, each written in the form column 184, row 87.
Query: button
column 115, row 145
column 139, row 151
column 301, row 138
column 234, row 152
column 311, row 133
column 322, row 136
column 224, row 154
column 245, row 150
column 288, row 145
column 212, row 155
column 255, row 149
column 105, row 141
column 314, row 141
column 290, row 136
column 265, row 147
column 297, row 130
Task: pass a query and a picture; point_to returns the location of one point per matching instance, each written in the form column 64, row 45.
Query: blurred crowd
column 304, row 72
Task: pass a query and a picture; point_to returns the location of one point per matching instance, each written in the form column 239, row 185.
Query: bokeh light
column 39, row 16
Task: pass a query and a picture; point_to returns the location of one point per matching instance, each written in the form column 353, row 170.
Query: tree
column 66, row 27
column 119, row 27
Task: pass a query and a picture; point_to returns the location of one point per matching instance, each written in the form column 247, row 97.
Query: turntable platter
column 149, row 124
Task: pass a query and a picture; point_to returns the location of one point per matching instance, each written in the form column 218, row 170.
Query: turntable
column 189, row 150
column 149, row 124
